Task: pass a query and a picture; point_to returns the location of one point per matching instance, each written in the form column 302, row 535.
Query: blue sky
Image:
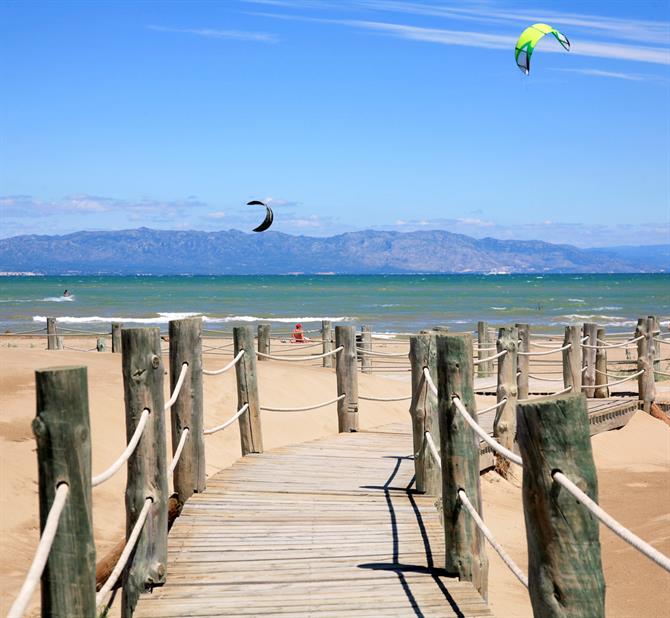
column 343, row 115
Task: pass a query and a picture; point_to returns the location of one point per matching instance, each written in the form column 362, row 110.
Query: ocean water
column 389, row 303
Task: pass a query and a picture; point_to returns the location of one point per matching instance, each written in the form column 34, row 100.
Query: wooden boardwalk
column 326, row 528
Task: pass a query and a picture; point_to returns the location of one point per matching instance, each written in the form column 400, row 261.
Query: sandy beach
column 633, row 466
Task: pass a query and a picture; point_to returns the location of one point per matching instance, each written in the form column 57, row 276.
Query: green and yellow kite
column 529, row 39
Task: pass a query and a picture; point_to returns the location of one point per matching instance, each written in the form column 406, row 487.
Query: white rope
column 125, row 554
column 128, row 451
column 542, row 345
column 177, row 387
column 520, row 575
column 179, row 449
column 429, row 381
column 303, row 408
column 230, row 421
column 372, row 353
column 608, row 384
column 406, row 398
column 232, row 363
column 41, row 553
column 432, row 448
column 662, row 373
column 301, row 358
column 546, row 379
column 489, row 358
column 484, row 349
column 494, row 444
column 604, row 344
column 565, row 347
column 628, row 536
column 494, row 407
column 659, row 340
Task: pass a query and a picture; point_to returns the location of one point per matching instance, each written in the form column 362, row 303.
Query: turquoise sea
column 390, row 303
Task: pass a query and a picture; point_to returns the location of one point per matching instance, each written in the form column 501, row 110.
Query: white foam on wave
column 499, row 308
column 164, row 318
column 602, row 320
column 576, row 300
column 58, row 299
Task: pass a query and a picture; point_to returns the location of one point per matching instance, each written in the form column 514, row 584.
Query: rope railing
column 518, row 573
column 300, row 358
column 494, row 444
column 24, row 332
column 67, row 347
column 232, row 363
column 660, row 340
column 178, row 450
column 429, row 381
column 41, row 554
column 371, row 398
column 432, row 448
column 608, row 384
column 567, row 389
column 230, row 421
column 303, row 408
column 125, row 554
column 536, row 377
column 177, row 387
column 545, row 352
column 478, row 361
column 642, row 546
column 388, row 354
column 502, row 402
column 662, row 373
column 127, row 452
column 604, row 344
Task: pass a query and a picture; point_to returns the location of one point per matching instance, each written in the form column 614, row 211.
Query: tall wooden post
column 459, row 449
column 504, row 425
column 522, row 361
column 590, row 330
column 100, row 345
column 251, row 436
column 52, row 335
column 601, row 391
column 423, row 410
column 347, row 379
column 116, row 337
column 327, row 341
column 656, row 331
column 63, row 435
column 366, row 346
column 572, row 366
column 645, row 361
column 263, row 339
column 142, row 370
column 565, row 576
column 186, row 412
column 484, row 370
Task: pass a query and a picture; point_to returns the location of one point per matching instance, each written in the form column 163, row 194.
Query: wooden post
column 186, row 413
column 62, row 432
column 565, row 574
column 327, row 341
column 366, row 345
column 251, row 436
column 100, row 345
column 504, row 424
column 423, row 410
column 656, row 331
column 263, row 339
column 143, row 371
column 522, row 361
column 484, row 370
column 590, row 330
column 645, row 360
column 572, row 366
column 601, row 392
column 52, row 335
column 347, row 379
column 459, row 449
column 116, row 337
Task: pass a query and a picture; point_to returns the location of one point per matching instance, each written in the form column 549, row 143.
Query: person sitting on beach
column 298, row 335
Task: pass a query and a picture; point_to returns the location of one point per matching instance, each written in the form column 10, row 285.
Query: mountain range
column 231, row 252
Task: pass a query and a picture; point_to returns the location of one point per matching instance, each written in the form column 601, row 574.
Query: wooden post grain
column 347, row 379
column 142, row 370
column 572, row 365
column 645, row 361
column 656, row 331
column 186, row 412
column 251, row 436
column 116, row 337
column 601, row 391
column 366, row 345
column 63, row 436
column 565, row 574
column 590, row 330
column 423, row 410
column 327, row 341
column 459, row 449
column 522, row 361
column 263, row 339
column 484, row 370
column 504, row 424
column 52, row 335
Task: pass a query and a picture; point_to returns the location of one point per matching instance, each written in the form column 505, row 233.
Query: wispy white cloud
column 209, row 33
column 216, row 214
column 633, row 77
